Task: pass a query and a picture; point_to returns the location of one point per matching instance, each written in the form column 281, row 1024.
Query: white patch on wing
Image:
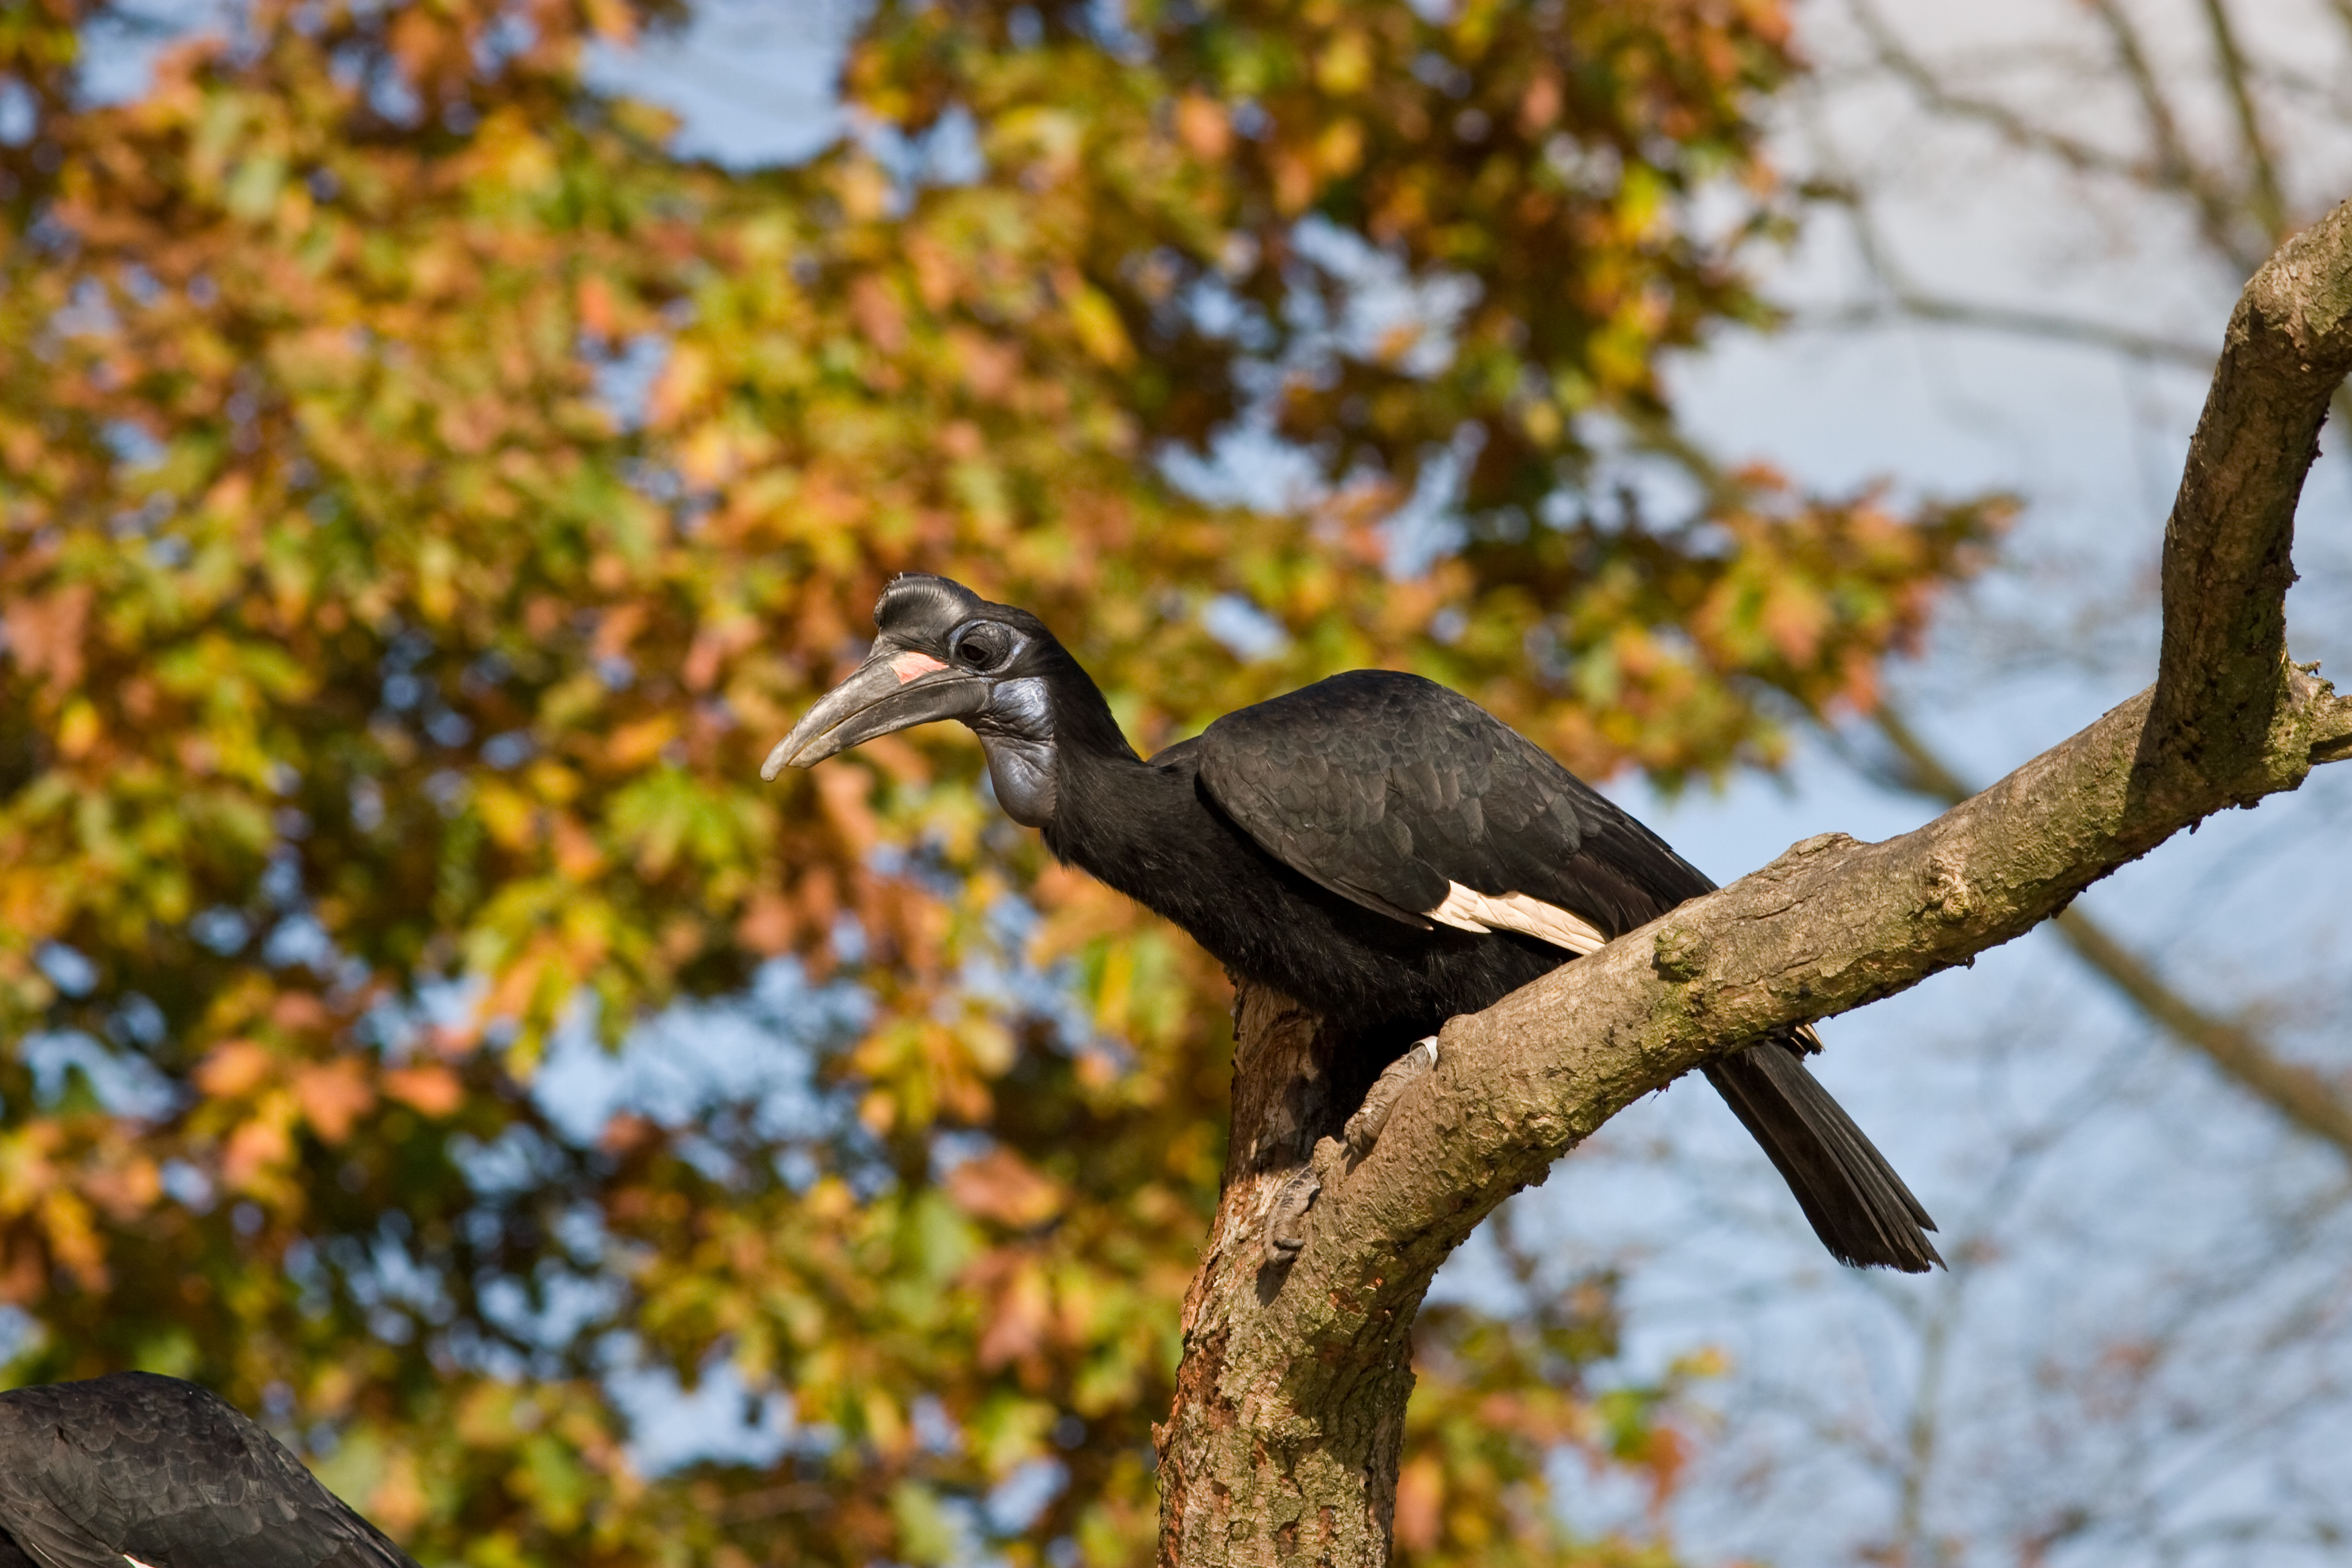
column 135, row 1562
column 1466, row 909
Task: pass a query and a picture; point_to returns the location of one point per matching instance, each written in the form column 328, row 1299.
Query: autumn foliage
column 424, row 498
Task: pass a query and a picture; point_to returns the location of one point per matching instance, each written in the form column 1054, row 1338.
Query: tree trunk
column 1269, row 1460
column 1283, row 1444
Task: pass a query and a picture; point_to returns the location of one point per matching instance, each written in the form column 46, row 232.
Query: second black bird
column 133, row 1470
column 1374, row 846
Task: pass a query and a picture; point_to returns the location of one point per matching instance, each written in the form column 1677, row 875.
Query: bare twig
column 2081, row 156
column 2268, row 204
column 1902, row 297
column 2048, row 326
column 2171, row 167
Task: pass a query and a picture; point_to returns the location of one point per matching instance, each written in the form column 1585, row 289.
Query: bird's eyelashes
column 983, row 646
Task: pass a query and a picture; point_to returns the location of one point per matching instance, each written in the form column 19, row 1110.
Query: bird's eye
column 983, row 645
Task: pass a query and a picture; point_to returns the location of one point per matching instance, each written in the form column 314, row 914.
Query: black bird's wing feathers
column 1386, row 788
column 153, row 1469
column 1851, row 1194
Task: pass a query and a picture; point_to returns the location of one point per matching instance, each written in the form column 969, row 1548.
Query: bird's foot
column 1286, row 1223
column 1364, row 1129
column 1286, row 1219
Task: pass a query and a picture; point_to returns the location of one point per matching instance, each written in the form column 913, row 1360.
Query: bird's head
column 942, row 651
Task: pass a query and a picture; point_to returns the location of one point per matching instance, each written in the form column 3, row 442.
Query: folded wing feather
column 1466, row 909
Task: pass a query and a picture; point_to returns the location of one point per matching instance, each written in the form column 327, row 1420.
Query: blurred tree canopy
column 424, row 497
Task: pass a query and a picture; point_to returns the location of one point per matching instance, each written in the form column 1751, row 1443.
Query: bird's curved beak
column 894, row 689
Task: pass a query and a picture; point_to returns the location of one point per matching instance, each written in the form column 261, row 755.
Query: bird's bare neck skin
column 1017, row 733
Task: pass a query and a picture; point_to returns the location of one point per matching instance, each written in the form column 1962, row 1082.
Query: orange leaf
column 1420, row 1498
column 298, row 1012
column 45, row 634
column 1018, row 1325
column 1201, row 125
column 767, row 922
column 1002, row 1187
column 616, row 628
column 255, row 1145
column 333, row 1095
column 596, row 310
column 125, row 1192
column 433, row 1090
column 877, row 314
column 234, row 1069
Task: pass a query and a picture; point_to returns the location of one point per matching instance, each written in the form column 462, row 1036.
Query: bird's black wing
column 1412, row 800
column 1400, row 795
column 161, row 1472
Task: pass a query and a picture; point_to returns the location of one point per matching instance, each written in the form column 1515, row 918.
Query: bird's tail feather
column 1858, row 1205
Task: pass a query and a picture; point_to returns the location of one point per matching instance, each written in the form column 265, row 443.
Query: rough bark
column 1283, row 1444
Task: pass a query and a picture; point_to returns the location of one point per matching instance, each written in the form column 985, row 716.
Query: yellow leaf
column 1095, row 321
column 632, row 746
column 1345, row 65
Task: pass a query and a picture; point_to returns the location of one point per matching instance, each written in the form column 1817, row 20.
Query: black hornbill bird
column 1376, row 846
column 134, row 1470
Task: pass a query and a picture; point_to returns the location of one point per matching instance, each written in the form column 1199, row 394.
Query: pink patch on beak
column 909, row 665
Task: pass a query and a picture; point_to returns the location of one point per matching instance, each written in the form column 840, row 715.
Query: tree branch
column 2306, row 1097
column 2222, row 673
column 1283, row 1444
column 2048, row 326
